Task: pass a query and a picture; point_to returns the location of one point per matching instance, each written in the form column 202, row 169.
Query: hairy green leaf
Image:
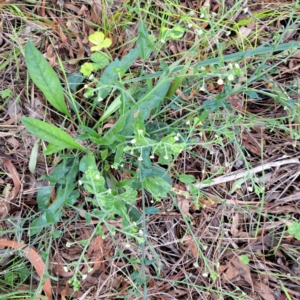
column 50, row 134
column 110, row 76
column 45, row 78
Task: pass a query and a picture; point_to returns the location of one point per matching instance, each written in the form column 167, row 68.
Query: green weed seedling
column 140, row 141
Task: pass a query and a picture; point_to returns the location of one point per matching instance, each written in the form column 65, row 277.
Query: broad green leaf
column 178, row 80
column 294, row 229
column 185, row 178
column 74, row 80
column 5, row 93
column 157, row 187
column 112, row 108
column 52, row 149
column 110, row 76
column 177, row 32
column 144, row 43
column 97, row 38
column 100, row 59
column 50, row 134
column 43, row 197
column 45, row 78
column 238, row 183
column 152, row 100
column 87, row 161
column 87, row 69
column 244, row 259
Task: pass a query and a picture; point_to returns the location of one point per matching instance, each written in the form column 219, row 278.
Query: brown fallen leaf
column 35, row 259
column 95, row 252
column 235, row 223
column 189, row 242
column 183, row 199
column 263, row 290
column 244, row 271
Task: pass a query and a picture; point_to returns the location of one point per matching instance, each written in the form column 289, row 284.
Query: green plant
column 294, row 229
column 140, row 141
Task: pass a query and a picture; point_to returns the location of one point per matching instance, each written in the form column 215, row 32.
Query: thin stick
column 244, row 173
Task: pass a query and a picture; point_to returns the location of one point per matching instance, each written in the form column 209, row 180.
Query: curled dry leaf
column 10, row 194
column 244, row 271
column 234, row 227
column 243, row 34
column 34, row 258
column 189, row 242
column 263, row 290
column 184, row 205
column 50, row 55
column 95, row 252
column 183, row 199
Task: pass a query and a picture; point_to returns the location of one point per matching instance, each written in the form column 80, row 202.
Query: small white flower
column 236, row 66
column 99, row 99
column 151, row 156
column 213, row 14
column 246, row 9
column 68, row 244
column 220, row 81
column 91, row 77
column 79, row 182
column 216, row 136
column 84, row 276
column 166, row 157
column 140, row 158
column 190, row 25
column 230, row 77
column 201, row 16
column 140, row 131
column 65, row 269
column 187, row 122
column 133, row 141
column 162, row 41
column 202, row 89
column 205, row 275
column 176, row 138
column 250, row 189
column 202, row 69
column 127, row 246
column 141, row 232
column 228, row 33
column 199, row 31
column 230, row 66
